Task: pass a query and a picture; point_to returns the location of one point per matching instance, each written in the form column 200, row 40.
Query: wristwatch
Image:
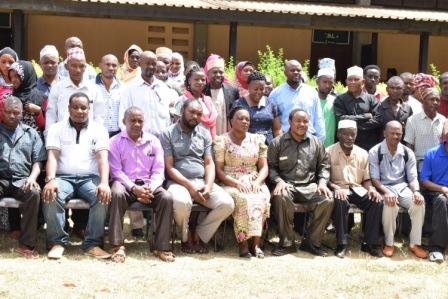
column 49, row 179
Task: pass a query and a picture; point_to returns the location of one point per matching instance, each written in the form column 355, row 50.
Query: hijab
column 239, row 79
column 26, row 91
column 129, row 73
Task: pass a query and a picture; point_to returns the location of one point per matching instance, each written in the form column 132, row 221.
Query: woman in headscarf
column 23, row 79
column 176, row 71
column 242, row 72
column 422, row 82
column 7, row 57
column 130, row 68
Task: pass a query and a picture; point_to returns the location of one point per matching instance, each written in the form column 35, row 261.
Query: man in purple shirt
column 137, row 170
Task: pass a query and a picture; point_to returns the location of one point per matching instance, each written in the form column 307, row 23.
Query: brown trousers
column 162, row 204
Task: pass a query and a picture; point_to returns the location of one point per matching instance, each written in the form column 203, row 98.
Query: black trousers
column 439, row 236
column 372, row 217
column 29, row 210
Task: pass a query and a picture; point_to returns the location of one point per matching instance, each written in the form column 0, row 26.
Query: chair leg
column 173, row 235
column 152, row 232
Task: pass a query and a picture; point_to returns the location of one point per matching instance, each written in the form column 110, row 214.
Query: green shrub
column 229, row 69
column 272, row 64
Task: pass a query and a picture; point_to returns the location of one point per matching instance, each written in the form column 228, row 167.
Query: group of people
column 169, row 134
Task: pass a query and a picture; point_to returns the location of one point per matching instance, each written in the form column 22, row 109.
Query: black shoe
column 280, row 251
column 245, row 255
column 308, row 247
column 371, row 249
column 340, row 251
column 137, row 233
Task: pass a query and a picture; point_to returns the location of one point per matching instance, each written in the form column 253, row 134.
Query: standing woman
column 23, row 79
column 242, row 72
column 130, row 68
column 264, row 117
column 7, row 57
column 176, row 71
column 241, row 167
column 194, row 89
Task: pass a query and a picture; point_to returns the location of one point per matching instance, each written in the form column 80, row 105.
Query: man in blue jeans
column 77, row 166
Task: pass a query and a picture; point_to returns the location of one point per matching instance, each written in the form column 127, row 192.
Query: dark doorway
column 332, row 44
column 5, row 30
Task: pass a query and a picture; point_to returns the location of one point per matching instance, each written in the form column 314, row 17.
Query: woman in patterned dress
column 241, row 167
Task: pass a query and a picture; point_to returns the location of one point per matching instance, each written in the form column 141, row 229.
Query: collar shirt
column 435, row 166
column 302, row 164
column 329, row 119
column 43, row 86
column 360, row 110
column 378, row 95
column 153, row 99
column 57, row 108
column 304, row 97
column 349, row 171
column 187, row 149
column 89, row 73
column 423, row 133
column 415, row 105
column 77, row 149
column 111, row 100
column 392, row 170
column 19, row 152
column 131, row 160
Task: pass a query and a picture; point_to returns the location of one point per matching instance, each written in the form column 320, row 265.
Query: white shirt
column 111, row 99
column 153, row 99
column 57, row 109
column 77, row 153
column 416, row 106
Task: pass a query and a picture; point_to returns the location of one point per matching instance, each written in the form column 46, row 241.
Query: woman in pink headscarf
column 422, row 82
column 242, row 72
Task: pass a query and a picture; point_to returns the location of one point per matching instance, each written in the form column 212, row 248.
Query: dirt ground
column 220, row 275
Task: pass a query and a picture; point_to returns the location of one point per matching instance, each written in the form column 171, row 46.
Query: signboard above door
column 331, row 37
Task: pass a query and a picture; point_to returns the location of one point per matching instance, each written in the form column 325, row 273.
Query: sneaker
column 56, row 252
column 436, row 257
column 418, row 251
column 281, row 250
column 97, row 252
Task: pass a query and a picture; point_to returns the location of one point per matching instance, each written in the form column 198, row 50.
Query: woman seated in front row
column 241, row 167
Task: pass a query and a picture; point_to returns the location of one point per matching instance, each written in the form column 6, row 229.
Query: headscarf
column 181, row 69
column 28, row 78
column 425, row 81
column 429, row 91
column 239, row 79
column 215, row 60
column 8, row 50
column 129, row 73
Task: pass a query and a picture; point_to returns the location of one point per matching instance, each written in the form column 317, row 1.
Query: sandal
column 27, row 253
column 201, row 247
column 187, row 247
column 118, row 254
column 166, row 256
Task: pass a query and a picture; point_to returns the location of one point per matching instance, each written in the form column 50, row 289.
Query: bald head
column 147, row 63
column 73, row 42
column 293, row 70
column 393, row 124
column 148, row 55
column 395, row 80
column 292, row 63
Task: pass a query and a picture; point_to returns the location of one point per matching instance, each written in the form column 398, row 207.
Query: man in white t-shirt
column 77, row 166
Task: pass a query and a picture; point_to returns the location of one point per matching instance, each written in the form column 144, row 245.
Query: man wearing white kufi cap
column 49, row 59
column 350, row 182
column 325, row 81
column 358, row 106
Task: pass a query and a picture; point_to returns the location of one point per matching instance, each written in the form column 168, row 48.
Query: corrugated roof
column 293, row 8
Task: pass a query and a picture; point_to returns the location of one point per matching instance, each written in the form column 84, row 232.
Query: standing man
column 408, row 92
column 350, row 182
column 393, row 171
column 222, row 94
column 77, row 166
column 75, row 82
column 146, row 164
column 372, row 76
column 49, row 59
column 359, row 106
column 109, row 87
column 423, row 130
column 20, row 164
column 149, row 94
column 191, row 175
column 434, row 178
column 325, row 81
column 63, row 72
column 443, row 108
column 295, row 94
column 299, row 167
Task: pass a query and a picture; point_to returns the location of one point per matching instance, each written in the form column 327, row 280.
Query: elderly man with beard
column 223, row 95
column 299, row 168
column 191, row 175
column 393, row 171
column 350, row 182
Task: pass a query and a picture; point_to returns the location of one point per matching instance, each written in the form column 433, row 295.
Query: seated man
column 393, row 172
column 434, row 178
column 77, row 166
column 350, row 182
column 299, row 166
column 191, row 172
column 128, row 172
column 20, row 164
